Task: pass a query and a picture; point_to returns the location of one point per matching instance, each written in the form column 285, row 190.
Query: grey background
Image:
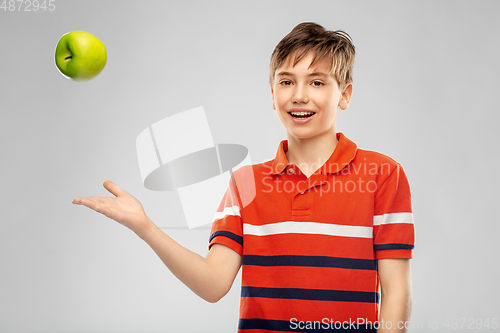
column 425, row 93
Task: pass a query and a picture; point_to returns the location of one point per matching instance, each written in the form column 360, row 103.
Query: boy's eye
column 315, row 83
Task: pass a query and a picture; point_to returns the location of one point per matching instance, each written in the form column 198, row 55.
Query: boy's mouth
column 301, row 114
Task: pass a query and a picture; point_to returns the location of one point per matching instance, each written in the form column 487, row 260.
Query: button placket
column 301, row 204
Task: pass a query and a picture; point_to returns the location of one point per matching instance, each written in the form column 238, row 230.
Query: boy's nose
column 300, row 96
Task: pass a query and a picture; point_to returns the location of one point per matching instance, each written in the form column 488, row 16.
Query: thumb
column 113, row 188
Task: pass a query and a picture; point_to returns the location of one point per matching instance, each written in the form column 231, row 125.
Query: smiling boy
column 326, row 241
column 330, row 222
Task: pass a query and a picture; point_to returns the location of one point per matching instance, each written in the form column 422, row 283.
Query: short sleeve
column 227, row 228
column 393, row 228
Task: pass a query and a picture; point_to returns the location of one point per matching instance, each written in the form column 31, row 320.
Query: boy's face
column 299, row 88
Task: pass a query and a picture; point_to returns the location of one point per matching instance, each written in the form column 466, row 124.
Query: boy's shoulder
column 369, row 162
column 371, row 156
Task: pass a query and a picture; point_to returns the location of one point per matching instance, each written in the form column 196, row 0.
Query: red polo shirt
column 310, row 245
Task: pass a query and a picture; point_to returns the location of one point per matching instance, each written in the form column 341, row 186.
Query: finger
column 113, row 188
column 84, row 201
column 90, row 202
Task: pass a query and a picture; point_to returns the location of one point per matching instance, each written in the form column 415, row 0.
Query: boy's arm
column 210, row 277
column 395, row 283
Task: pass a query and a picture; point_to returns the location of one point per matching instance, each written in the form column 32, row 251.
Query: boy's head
column 334, row 46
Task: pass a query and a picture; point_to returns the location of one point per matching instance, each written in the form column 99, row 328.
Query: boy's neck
column 310, row 154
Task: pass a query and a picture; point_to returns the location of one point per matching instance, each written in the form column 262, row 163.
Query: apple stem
column 68, row 57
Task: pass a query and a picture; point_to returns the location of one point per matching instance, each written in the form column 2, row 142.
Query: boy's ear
column 345, row 98
column 272, row 93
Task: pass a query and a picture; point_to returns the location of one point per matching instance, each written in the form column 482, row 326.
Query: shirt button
column 290, row 171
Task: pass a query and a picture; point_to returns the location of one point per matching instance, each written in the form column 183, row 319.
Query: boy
column 329, row 224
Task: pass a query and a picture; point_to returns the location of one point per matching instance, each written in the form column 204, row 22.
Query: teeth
column 302, row 113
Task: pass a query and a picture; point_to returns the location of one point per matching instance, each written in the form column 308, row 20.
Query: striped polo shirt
column 310, row 245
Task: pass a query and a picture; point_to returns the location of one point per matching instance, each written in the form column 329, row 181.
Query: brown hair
column 335, row 46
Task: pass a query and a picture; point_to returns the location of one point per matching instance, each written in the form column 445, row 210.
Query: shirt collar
column 344, row 153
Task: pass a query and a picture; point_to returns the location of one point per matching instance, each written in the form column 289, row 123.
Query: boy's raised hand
column 124, row 208
column 210, row 277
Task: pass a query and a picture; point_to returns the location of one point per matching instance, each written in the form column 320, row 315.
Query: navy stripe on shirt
column 393, row 246
column 311, row 294
column 295, row 326
column 309, row 261
column 228, row 234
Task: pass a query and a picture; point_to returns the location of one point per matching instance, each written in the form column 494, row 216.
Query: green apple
column 80, row 56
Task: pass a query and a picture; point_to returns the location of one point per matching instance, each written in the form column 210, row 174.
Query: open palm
column 123, row 208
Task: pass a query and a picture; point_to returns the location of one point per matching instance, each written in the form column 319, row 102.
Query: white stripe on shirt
column 393, row 218
column 234, row 210
column 307, row 228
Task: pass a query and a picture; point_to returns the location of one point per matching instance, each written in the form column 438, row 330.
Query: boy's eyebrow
column 291, row 74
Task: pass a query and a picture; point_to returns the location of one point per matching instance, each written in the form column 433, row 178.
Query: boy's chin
column 309, row 135
column 300, row 136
